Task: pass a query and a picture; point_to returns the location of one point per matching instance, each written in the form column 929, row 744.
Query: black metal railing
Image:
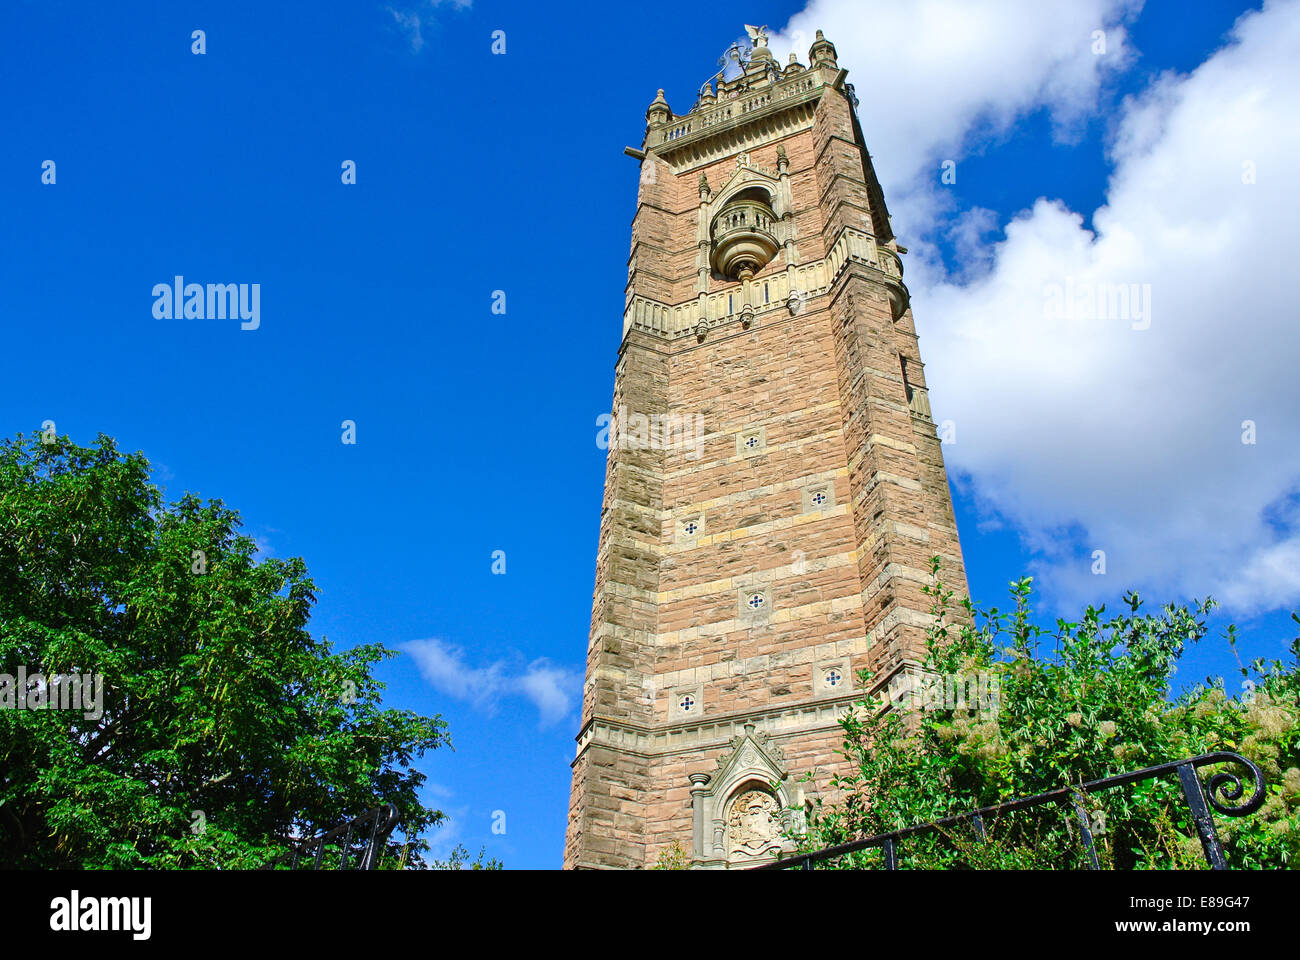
column 350, row 846
column 1200, row 802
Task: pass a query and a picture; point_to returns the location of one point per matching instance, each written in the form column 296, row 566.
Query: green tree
column 1098, row 703
column 226, row 727
column 672, row 857
column 459, row 859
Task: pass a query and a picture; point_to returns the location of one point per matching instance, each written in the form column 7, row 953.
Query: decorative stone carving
column 744, row 239
column 754, row 826
column 747, row 802
column 899, row 298
column 765, row 749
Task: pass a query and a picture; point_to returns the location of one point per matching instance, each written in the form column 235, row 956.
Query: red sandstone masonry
column 826, row 387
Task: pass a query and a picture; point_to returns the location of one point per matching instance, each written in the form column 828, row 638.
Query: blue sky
column 476, row 430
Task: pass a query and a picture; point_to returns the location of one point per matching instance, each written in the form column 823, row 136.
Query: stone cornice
column 738, row 136
column 804, row 282
column 673, row 738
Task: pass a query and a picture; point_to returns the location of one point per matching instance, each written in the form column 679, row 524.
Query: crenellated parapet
column 760, row 91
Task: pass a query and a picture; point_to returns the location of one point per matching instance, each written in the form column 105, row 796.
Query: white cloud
column 411, row 20
column 1132, row 438
column 1086, row 435
column 930, row 73
column 550, row 688
column 264, row 550
column 438, row 790
column 408, row 21
column 444, row 838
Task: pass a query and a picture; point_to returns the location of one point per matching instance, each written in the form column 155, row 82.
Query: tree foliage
column 226, row 728
column 1096, row 703
column 459, row 859
column 672, row 857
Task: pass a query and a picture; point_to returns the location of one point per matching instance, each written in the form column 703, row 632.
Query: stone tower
column 774, row 484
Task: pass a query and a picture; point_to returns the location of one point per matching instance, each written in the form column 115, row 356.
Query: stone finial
column 705, row 191
column 782, row 161
column 822, row 52
column 658, row 112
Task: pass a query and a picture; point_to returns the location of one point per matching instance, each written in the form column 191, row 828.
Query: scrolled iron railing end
column 1229, row 786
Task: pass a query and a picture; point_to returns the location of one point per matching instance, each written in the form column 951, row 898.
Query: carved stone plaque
column 754, row 825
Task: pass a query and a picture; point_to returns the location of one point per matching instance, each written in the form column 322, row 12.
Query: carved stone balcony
column 743, row 238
